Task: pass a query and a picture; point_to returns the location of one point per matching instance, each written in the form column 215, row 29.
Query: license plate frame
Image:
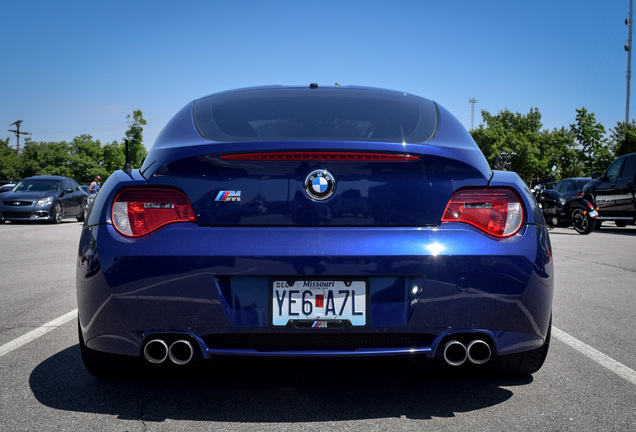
column 343, row 299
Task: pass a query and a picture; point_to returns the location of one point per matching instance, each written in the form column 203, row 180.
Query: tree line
column 518, row 143
column 511, row 141
column 81, row 159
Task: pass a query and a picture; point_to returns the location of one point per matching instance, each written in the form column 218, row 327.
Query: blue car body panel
column 222, row 285
column 212, row 280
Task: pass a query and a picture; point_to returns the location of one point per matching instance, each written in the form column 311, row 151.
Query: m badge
column 228, row 196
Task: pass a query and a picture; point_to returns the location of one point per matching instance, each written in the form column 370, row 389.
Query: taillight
column 497, row 212
column 137, row 212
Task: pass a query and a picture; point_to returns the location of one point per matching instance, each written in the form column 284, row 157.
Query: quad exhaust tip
column 156, row 351
column 455, row 353
column 180, row 352
column 477, row 352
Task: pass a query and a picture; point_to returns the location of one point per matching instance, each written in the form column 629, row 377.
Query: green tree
column 136, row 150
column 592, row 148
column 114, row 157
column 514, row 135
column 86, row 159
column 56, row 159
column 623, row 136
column 45, row 158
column 555, row 149
column 9, row 162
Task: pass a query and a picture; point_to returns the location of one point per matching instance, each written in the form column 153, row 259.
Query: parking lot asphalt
column 586, row 383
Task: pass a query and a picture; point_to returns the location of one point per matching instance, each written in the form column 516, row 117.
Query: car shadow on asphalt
column 272, row 391
column 626, row 231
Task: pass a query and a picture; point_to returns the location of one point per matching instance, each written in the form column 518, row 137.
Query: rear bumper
column 213, row 285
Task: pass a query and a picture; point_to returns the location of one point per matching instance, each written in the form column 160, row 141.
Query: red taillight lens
column 137, row 212
column 495, row 211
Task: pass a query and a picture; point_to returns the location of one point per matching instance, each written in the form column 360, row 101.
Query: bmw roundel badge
column 320, row 185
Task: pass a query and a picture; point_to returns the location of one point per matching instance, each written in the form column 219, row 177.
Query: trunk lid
column 320, row 187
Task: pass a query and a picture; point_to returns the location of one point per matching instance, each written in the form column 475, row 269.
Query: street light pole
column 629, row 21
column 472, row 101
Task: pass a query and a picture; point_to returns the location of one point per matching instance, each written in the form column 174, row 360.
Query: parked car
column 6, row 188
column 613, row 192
column 90, row 197
column 43, row 198
column 570, row 187
column 236, row 238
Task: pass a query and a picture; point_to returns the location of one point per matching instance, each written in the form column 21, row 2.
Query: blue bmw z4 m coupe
column 314, row 222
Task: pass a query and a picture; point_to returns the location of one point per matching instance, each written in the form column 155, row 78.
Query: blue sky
column 79, row 67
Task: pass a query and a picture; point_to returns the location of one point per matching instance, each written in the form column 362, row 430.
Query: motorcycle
column 576, row 212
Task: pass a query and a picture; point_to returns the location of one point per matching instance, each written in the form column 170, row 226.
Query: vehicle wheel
column 82, row 216
column 105, row 365
column 524, row 363
column 56, row 214
column 621, row 224
column 582, row 222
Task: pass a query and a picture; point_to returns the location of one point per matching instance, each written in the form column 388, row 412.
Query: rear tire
column 524, row 363
column 621, row 224
column 82, row 216
column 582, row 221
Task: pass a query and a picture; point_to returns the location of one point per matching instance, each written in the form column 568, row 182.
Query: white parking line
column 34, row 334
column 607, row 362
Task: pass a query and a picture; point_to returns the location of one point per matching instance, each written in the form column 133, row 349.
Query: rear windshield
column 343, row 114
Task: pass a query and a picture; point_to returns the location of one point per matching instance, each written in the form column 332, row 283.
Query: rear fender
column 100, row 212
column 511, row 180
column 578, row 203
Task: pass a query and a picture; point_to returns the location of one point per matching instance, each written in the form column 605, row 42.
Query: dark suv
column 613, row 191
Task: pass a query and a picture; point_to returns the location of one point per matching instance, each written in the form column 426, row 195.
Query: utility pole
column 473, row 101
column 628, row 22
column 17, row 134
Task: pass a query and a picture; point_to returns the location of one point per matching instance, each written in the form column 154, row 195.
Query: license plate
column 593, row 214
column 319, row 300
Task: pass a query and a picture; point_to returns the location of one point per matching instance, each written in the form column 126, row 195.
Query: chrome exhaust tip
column 156, row 351
column 181, row 352
column 455, row 353
column 479, row 352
